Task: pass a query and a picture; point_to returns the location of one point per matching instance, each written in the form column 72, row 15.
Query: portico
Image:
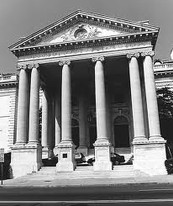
column 94, row 73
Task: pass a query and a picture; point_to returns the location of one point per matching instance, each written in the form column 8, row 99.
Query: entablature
column 86, row 53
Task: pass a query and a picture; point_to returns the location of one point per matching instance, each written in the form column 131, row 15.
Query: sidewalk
column 34, row 180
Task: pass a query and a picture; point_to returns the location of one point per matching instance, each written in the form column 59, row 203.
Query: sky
column 20, row 18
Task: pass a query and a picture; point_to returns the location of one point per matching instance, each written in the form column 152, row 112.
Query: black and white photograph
column 86, row 102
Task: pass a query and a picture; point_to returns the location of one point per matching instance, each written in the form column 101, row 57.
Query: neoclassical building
column 91, row 78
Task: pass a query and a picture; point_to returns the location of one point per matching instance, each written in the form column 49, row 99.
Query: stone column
column 82, row 124
column 45, row 141
column 51, row 125
column 136, row 99
column 28, row 158
column 66, row 161
column 34, row 106
column 57, row 123
column 150, row 157
column 23, row 108
column 151, row 98
column 102, row 144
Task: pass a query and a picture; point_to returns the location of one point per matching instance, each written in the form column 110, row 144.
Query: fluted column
column 100, row 99
column 23, row 108
column 66, row 102
column 136, row 98
column 151, row 98
column 34, row 106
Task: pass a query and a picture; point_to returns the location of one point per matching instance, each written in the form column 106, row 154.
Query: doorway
column 121, row 132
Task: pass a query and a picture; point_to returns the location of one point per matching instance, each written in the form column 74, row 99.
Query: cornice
column 8, row 84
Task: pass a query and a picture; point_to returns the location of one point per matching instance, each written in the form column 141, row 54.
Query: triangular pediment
column 82, row 26
column 80, row 31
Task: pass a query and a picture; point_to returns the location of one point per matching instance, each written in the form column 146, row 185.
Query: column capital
column 98, row 58
column 27, row 66
column 62, row 63
column 148, row 53
column 130, row 55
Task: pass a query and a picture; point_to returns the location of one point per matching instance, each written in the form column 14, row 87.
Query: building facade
column 92, row 78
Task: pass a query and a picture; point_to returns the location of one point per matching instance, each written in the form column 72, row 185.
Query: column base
column 55, row 150
column 149, row 158
column 102, row 155
column 83, row 150
column 25, row 160
column 157, row 139
column 140, row 140
column 47, row 153
column 66, row 157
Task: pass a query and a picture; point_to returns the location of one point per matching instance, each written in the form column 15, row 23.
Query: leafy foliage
column 165, row 103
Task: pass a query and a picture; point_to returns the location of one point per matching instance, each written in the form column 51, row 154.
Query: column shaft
column 136, row 98
column 100, row 101
column 34, row 107
column 23, row 108
column 82, row 121
column 45, row 142
column 102, row 144
column 66, row 104
column 151, row 98
column 57, row 121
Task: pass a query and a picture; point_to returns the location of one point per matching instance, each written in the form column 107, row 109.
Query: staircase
column 81, row 172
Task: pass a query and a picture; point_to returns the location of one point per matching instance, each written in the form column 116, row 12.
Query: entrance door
column 121, row 132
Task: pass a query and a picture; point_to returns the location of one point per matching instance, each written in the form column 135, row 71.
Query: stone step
column 88, row 172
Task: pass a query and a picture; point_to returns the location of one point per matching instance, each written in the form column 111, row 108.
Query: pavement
column 35, row 180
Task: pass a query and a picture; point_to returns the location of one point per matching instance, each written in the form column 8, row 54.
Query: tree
column 165, row 106
column 165, row 103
